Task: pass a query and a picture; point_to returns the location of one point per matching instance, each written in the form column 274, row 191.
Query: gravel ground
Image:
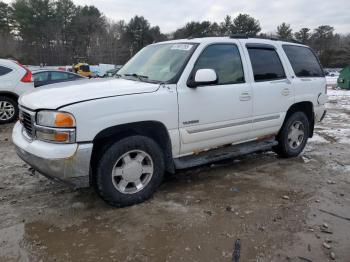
column 280, row 209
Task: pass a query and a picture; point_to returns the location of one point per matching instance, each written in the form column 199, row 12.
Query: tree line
column 58, row 32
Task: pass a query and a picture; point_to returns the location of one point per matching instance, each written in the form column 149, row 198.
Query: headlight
column 53, row 126
column 55, row 119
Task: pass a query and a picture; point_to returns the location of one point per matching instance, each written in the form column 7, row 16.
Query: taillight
column 28, row 77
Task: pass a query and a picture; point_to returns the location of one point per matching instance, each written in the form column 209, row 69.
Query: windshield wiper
column 139, row 77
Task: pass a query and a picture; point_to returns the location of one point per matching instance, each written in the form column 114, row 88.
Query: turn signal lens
column 55, row 136
column 64, row 120
column 61, row 137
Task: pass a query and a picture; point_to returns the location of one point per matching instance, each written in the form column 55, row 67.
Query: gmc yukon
column 174, row 105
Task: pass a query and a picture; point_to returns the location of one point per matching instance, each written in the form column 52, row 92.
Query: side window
column 4, row 70
column 303, row 61
column 40, row 77
column 266, row 64
column 73, row 76
column 58, row 76
column 225, row 60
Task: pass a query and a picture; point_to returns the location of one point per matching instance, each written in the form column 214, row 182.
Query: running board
column 223, row 153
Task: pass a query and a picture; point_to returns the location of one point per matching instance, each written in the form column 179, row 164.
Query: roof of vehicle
column 227, row 39
column 7, row 61
column 13, row 64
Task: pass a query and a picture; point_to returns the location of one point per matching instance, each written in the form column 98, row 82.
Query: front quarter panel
column 96, row 115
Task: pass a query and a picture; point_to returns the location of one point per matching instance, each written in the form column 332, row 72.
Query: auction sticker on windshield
column 183, row 47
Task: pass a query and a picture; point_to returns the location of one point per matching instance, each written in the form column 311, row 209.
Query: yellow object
column 64, row 120
column 82, row 69
column 61, row 137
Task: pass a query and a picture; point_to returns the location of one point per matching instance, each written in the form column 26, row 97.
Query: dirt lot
column 280, row 209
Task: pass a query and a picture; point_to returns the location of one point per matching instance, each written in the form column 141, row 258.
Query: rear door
column 272, row 87
column 308, row 77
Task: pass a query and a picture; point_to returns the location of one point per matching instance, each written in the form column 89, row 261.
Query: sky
column 170, row 14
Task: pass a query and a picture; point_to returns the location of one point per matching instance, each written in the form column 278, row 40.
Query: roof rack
column 239, row 36
column 245, row 36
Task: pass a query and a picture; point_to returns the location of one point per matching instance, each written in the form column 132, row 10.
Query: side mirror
column 203, row 77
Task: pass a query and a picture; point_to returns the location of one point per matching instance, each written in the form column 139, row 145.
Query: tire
column 293, row 135
column 8, row 110
column 134, row 180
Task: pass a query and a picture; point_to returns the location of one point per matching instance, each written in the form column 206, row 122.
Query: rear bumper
column 68, row 163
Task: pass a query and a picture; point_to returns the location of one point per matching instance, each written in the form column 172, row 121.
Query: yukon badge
column 191, row 122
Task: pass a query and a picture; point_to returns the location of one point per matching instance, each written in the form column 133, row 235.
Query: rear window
column 303, row 61
column 266, row 64
column 73, row 76
column 4, row 70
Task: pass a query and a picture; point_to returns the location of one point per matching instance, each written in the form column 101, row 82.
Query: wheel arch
column 10, row 95
column 306, row 107
column 152, row 129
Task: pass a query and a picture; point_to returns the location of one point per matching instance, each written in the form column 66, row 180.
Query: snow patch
column 317, row 139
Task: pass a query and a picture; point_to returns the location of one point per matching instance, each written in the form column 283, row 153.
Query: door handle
column 286, row 92
column 245, row 96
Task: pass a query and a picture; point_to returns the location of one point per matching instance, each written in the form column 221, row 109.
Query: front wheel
column 293, row 135
column 130, row 171
column 8, row 110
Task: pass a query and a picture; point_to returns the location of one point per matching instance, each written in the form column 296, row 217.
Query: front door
column 214, row 115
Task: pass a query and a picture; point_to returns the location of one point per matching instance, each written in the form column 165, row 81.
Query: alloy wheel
column 7, row 110
column 132, row 172
column 296, row 134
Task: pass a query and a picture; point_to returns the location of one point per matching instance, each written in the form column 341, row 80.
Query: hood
column 58, row 95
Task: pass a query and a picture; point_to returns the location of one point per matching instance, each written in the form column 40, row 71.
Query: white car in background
column 15, row 80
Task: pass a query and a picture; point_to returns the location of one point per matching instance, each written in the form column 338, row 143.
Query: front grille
column 27, row 122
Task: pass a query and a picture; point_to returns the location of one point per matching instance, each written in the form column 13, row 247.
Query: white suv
column 15, row 80
column 175, row 105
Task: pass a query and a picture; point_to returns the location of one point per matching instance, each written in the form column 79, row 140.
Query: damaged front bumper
column 68, row 163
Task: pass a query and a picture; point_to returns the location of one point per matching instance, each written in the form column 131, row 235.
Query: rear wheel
column 8, row 110
column 129, row 171
column 293, row 135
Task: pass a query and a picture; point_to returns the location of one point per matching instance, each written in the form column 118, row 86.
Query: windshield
column 161, row 63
